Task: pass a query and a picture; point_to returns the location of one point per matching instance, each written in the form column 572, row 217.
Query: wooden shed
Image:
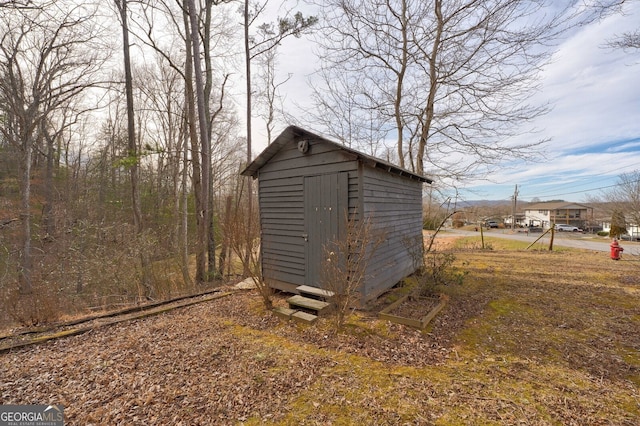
column 307, row 185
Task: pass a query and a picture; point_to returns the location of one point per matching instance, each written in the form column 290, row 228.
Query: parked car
column 565, row 227
column 492, row 224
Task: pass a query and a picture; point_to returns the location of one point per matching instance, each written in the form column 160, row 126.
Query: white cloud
column 594, row 125
column 595, row 91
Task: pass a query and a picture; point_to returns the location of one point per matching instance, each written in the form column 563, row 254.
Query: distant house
column 521, row 220
column 633, row 231
column 307, row 186
column 546, row 214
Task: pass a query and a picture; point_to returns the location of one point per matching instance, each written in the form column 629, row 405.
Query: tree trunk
column 225, row 235
column 184, row 228
column 132, row 148
column 47, row 208
column 204, row 212
column 248, row 239
column 208, row 85
column 201, row 265
column 429, row 110
column 397, row 104
column 25, row 280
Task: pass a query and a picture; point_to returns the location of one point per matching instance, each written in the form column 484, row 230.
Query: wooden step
column 314, row 292
column 304, row 318
column 309, row 305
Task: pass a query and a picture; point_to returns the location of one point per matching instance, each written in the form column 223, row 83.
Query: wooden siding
column 394, row 205
column 281, row 198
column 388, row 196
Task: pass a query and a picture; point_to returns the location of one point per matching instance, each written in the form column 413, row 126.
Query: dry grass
column 532, row 338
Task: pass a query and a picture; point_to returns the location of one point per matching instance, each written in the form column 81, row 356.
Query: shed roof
column 294, row 132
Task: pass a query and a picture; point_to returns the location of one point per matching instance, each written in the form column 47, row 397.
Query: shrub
column 345, row 263
column 439, row 271
column 41, row 306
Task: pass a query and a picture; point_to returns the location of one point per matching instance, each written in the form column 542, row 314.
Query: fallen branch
column 110, row 319
column 5, row 222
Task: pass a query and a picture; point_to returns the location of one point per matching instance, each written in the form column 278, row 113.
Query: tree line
column 120, row 148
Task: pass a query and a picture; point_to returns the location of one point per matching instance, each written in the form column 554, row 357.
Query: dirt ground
column 530, row 337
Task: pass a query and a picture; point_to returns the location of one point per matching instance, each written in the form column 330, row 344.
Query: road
column 564, row 239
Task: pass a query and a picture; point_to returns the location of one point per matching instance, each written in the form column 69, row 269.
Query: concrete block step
column 304, row 317
column 314, row 292
column 309, row 305
column 284, row 313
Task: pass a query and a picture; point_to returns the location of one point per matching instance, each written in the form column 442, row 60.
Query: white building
column 633, row 231
column 546, row 214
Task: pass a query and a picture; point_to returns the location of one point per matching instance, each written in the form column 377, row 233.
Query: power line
column 551, row 193
column 545, row 193
column 589, row 190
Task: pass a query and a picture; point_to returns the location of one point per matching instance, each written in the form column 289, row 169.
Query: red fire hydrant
column 615, row 250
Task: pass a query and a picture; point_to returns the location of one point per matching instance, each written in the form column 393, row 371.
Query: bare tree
column 341, row 107
column 378, row 38
column 122, row 6
column 623, row 200
column 56, row 135
column 205, row 143
column 19, row 4
column 629, row 40
column 268, row 99
column 132, row 142
column 205, row 102
column 46, row 61
column 626, row 41
column 268, row 38
column 451, row 79
column 262, row 47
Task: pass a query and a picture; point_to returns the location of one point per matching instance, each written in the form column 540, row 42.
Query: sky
column 593, row 126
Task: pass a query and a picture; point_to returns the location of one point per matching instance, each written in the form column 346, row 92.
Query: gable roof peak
column 292, row 133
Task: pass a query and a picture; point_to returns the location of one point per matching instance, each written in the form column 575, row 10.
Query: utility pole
column 513, row 209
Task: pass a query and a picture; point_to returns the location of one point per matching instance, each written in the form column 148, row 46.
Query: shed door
column 325, row 203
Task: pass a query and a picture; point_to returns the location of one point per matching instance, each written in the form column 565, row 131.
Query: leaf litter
column 516, row 344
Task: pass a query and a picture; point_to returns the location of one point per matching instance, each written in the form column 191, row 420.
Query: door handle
column 306, row 237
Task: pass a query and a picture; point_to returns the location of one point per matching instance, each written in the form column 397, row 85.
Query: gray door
column 325, row 203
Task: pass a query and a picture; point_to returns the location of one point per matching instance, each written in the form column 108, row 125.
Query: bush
column 41, row 306
column 345, row 263
column 603, row 234
column 431, row 223
column 438, row 272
